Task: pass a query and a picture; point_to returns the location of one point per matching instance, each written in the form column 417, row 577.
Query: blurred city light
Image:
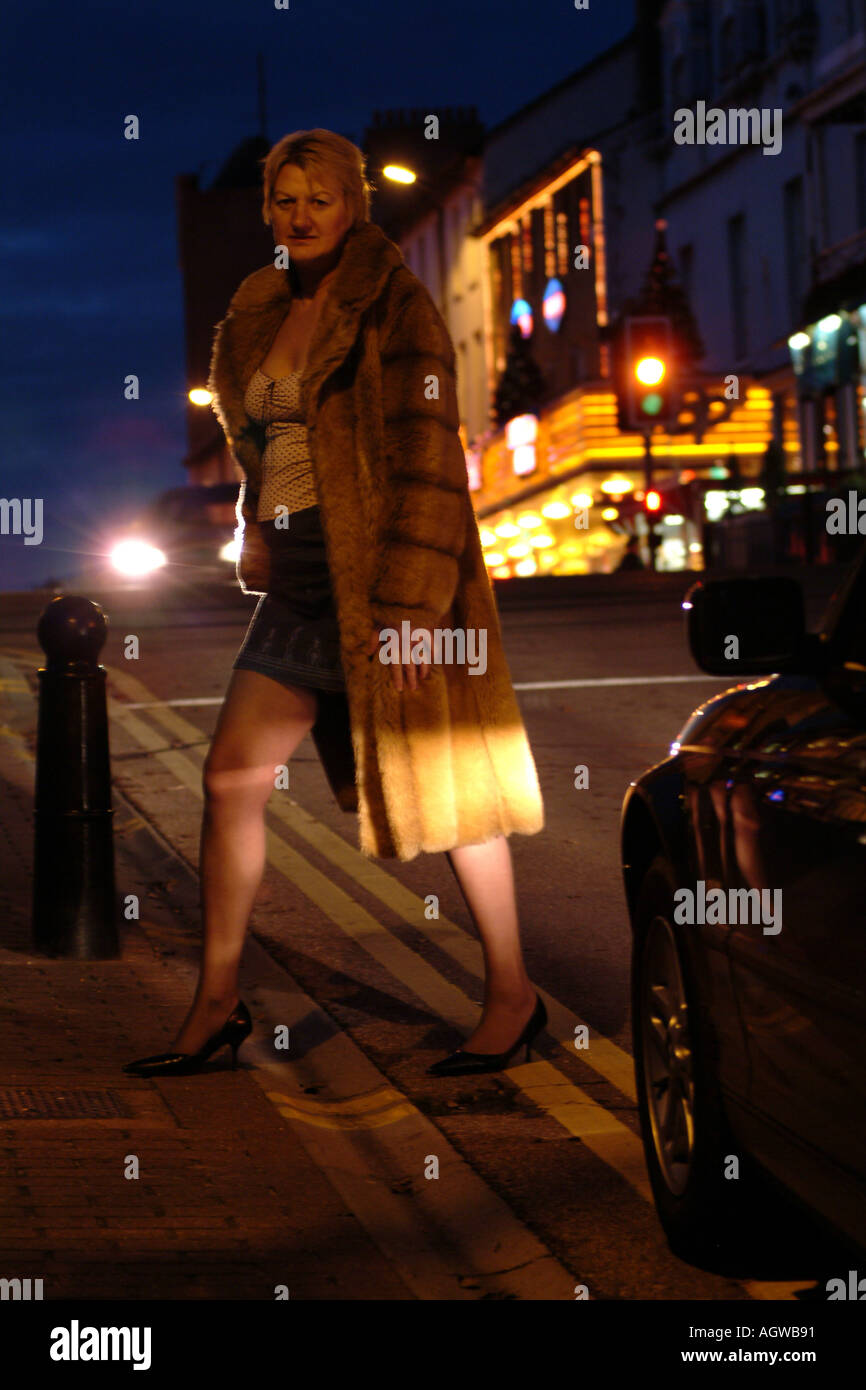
column 133, row 557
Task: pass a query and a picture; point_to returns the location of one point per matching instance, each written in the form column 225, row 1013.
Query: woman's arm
column 427, row 505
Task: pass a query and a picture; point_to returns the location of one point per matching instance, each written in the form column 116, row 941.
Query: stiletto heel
column 461, row 1063
column 234, row 1031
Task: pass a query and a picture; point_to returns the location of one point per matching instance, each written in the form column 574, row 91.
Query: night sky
column 91, row 288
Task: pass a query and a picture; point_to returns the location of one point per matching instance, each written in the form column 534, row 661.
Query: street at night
column 605, row 682
column 433, row 682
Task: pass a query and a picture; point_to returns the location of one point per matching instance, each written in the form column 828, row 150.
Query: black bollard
column 73, row 863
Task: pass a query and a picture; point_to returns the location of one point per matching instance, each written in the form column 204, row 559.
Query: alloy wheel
column 667, row 1057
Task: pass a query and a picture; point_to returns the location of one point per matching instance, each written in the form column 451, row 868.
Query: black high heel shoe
column 236, row 1028
column 461, row 1063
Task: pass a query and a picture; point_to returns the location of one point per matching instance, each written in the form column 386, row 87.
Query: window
column 456, row 225
column 685, row 261
column 737, row 282
column 852, row 18
column 727, row 48
column 678, row 82
column 754, row 21
column 795, row 246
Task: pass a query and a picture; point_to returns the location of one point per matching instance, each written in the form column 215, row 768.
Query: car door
column 704, row 758
column 798, row 824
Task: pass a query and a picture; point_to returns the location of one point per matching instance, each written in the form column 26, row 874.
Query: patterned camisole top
column 287, row 471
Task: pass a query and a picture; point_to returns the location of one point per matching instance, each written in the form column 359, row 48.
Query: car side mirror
column 750, row 626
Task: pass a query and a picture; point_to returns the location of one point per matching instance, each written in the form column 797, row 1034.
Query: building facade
column 221, row 240
column 431, row 221
column 768, row 252
column 761, row 222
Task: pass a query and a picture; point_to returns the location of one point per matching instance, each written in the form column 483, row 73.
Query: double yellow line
column 384, row 1106
column 549, row 1088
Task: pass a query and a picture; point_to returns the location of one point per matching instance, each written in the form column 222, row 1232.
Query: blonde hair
column 321, row 151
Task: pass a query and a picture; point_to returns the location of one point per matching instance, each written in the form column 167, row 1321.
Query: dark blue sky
column 90, row 284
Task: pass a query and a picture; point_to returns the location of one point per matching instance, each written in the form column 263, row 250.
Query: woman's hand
column 411, row 671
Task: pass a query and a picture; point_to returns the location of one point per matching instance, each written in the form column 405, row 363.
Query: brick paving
column 227, row 1203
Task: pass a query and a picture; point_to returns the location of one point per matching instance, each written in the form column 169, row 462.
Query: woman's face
column 308, row 213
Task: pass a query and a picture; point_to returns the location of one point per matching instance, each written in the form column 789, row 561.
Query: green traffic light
column 651, row 404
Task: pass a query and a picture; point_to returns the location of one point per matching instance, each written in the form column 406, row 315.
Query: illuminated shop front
column 563, row 485
column 562, row 493
column 546, row 276
column 829, row 360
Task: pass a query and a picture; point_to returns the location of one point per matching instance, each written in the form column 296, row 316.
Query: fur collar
column 259, row 306
column 367, row 259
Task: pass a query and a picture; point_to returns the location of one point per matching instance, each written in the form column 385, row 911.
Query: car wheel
column 685, row 1133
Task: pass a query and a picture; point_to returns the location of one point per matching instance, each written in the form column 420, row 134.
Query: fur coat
column 448, row 764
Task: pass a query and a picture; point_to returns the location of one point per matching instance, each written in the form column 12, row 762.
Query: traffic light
column 648, row 372
column 652, row 503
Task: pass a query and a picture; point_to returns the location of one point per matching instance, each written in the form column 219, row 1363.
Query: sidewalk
column 227, row 1204
column 304, row 1170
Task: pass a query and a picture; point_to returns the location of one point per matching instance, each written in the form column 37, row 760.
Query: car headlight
column 230, row 551
column 134, row 557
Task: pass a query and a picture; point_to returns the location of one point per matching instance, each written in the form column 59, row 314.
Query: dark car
column 744, row 858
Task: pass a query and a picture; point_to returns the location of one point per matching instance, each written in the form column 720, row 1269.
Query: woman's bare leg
column 260, row 725
column 486, row 879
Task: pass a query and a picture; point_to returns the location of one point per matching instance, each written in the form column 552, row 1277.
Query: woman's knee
column 226, row 780
column 260, row 726
column 249, row 771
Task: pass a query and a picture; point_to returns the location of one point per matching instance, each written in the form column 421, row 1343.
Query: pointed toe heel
column 462, row 1063
column 233, row 1033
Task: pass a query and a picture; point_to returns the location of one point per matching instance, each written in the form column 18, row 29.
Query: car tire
column 686, row 1136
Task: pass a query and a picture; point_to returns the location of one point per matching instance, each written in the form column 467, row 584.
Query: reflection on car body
column 748, row 1042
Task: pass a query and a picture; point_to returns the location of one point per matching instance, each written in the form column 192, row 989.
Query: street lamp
column 399, row 174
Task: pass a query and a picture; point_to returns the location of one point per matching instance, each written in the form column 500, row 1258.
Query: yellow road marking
column 575, row 1111
column 601, row 1055
column 550, row 1090
column 383, row 1107
column 776, row 1291
column 350, row 1105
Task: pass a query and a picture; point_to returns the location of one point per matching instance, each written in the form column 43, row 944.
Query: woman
column 333, row 378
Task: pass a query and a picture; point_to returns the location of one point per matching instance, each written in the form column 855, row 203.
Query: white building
column 450, row 262
column 767, row 243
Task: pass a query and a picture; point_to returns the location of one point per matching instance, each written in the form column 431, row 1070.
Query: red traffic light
column 646, row 387
column 652, row 501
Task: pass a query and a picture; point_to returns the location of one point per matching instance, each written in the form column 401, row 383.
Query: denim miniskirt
column 294, row 636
